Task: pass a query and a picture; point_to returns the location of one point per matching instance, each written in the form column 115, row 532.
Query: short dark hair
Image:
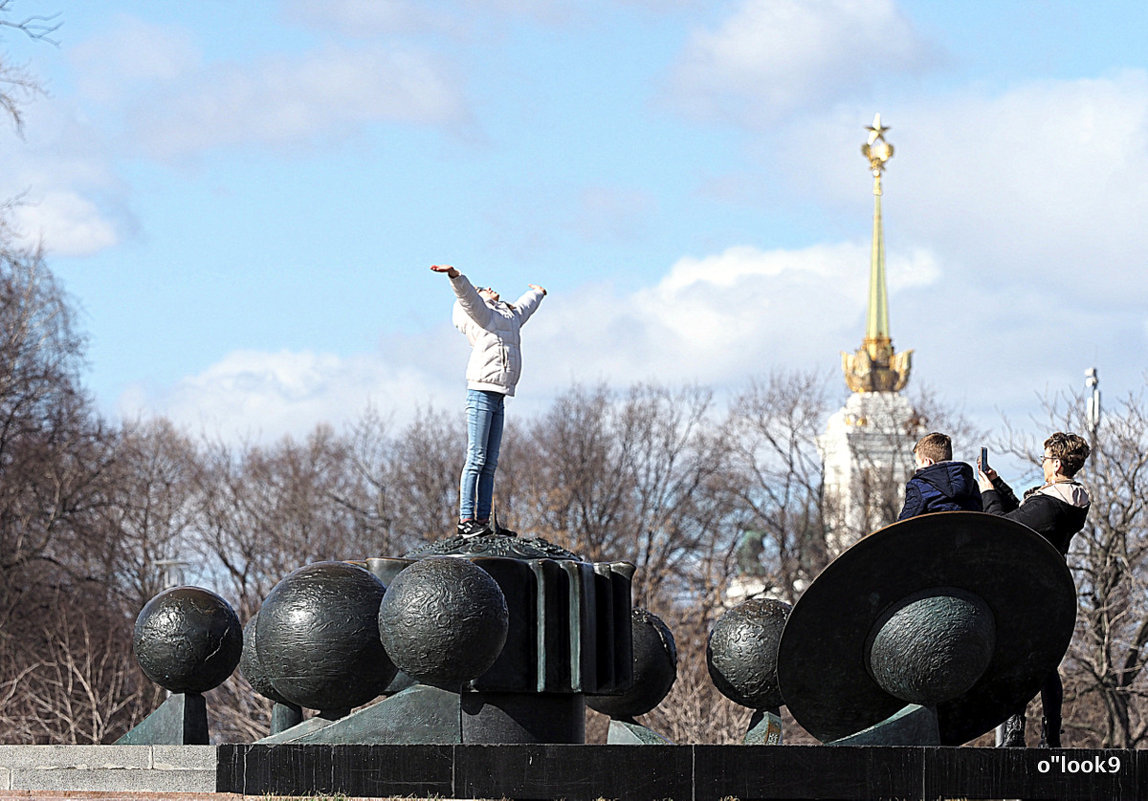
column 1070, row 449
column 935, row 446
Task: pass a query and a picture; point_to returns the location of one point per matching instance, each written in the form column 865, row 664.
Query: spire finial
column 877, row 150
column 875, row 367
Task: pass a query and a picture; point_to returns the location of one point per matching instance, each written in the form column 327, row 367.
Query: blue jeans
column 484, row 413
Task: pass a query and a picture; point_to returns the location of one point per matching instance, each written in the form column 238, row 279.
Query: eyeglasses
column 1045, row 458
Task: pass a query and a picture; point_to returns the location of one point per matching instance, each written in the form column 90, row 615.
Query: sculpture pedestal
column 630, row 732
column 764, row 728
column 522, row 718
column 913, row 725
column 284, row 716
column 180, row 720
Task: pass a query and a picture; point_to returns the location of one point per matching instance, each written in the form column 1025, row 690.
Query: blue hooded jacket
column 942, row 487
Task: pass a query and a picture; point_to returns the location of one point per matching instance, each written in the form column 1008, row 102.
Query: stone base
column 109, row 768
column 700, row 772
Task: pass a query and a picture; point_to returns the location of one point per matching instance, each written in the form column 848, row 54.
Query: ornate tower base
column 867, row 453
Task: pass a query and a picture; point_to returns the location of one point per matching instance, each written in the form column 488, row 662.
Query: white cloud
column 612, row 213
column 368, row 18
column 716, row 320
column 772, row 57
column 66, row 196
column 171, row 101
column 461, row 19
column 287, row 101
column 265, row 396
column 721, row 317
column 371, row 18
column 712, row 320
column 133, row 53
column 1043, row 187
column 66, row 223
column 1031, row 199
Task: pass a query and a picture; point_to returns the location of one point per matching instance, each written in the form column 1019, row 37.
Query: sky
column 243, row 199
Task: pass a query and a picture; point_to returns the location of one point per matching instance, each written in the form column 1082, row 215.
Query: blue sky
column 244, row 197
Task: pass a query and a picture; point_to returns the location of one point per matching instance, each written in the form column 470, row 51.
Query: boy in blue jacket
column 940, row 484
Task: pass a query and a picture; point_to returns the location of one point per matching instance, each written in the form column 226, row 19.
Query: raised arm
column 526, row 304
column 468, row 298
column 996, row 496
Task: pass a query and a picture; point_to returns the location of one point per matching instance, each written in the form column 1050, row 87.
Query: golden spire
column 875, row 367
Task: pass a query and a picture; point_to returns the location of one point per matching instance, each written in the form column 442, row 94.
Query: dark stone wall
column 683, row 772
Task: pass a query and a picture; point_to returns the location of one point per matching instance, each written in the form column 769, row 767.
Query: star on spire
column 877, row 150
column 876, row 130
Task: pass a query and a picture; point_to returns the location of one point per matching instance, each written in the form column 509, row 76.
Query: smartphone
column 984, row 459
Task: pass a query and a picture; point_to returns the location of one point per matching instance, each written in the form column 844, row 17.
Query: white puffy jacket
column 492, row 330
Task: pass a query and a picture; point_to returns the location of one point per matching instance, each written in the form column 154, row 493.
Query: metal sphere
column 443, row 621
column 655, row 669
column 317, row 639
column 187, row 640
column 933, row 649
column 252, row 667
column 742, row 652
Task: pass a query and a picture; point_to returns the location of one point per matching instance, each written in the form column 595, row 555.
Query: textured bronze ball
column 742, row 652
column 252, row 667
column 655, row 669
column 443, row 621
column 187, row 640
column 932, row 648
column 318, row 640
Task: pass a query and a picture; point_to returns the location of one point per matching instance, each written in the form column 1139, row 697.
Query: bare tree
column 87, row 687
column 424, row 478
column 776, row 479
column 58, row 591
column 627, row 477
column 49, row 441
column 640, row 475
column 264, row 511
column 19, row 85
column 149, row 511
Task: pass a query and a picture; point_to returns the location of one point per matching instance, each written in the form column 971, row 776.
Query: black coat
column 1053, row 518
column 941, row 487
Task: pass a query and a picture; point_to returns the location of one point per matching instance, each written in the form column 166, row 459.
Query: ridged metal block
column 569, row 623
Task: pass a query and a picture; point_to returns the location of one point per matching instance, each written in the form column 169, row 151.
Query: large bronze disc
column 822, row 659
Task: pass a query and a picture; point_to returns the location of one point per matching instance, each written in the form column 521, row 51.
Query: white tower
column 866, row 449
column 1092, row 405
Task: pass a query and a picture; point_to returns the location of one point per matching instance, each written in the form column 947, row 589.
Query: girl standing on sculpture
column 492, row 327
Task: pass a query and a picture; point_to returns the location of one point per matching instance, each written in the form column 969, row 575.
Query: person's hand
column 535, row 286
column 989, row 472
column 445, row 268
column 985, row 477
